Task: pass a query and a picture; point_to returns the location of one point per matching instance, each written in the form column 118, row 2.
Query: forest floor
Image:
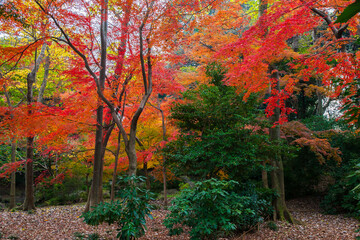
column 64, row 222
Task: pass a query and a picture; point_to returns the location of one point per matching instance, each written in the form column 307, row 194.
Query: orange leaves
column 298, row 134
column 296, row 129
column 321, row 148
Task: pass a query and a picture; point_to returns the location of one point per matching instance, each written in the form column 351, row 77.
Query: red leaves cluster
column 278, row 100
column 145, row 155
column 9, row 168
column 47, row 179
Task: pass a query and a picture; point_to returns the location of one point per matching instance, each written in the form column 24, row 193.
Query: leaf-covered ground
column 63, row 222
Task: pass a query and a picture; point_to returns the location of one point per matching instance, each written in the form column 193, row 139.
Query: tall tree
column 152, row 23
column 29, row 202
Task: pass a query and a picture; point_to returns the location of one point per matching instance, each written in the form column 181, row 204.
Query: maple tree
column 24, row 79
column 143, row 28
column 30, row 78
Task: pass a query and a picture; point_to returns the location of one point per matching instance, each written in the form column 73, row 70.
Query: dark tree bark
column 277, row 174
column 112, row 196
column 95, row 196
column 145, row 168
column 264, row 176
column 109, row 127
column 29, row 202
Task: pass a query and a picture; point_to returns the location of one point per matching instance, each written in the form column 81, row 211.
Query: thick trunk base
column 282, row 213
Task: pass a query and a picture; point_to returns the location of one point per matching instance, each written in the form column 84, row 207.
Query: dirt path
column 63, row 222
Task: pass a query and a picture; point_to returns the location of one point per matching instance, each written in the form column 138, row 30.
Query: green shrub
column 272, row 225
column 31, row 211
column 214, row 138
column 93, row 236
column 212, row 208
column 128, row 213
column 301, row 182
column 13, row 237
column 341, row 198
column 79, row 235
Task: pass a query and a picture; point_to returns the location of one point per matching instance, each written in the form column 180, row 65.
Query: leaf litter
column 64, row 222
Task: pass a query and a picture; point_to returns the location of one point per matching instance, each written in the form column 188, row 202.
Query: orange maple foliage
column 298, row 134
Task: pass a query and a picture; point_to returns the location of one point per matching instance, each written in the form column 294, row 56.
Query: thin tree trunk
column 106, row 136
column 164, row 183
column 13, row 176
column 147, row 176
column 44, row 82
column 319, row 105
column 87, row 206
column 29, row 202
column 145, row 168
column 164, row 158
column 112, row 196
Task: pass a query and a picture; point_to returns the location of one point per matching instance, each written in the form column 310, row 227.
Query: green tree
column 220, row 134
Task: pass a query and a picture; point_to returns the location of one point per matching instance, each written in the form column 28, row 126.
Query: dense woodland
column 215, row 112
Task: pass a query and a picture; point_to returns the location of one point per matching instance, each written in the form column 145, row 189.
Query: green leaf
column 349, row 12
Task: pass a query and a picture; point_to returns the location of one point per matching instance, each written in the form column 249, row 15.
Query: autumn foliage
column 210, row 89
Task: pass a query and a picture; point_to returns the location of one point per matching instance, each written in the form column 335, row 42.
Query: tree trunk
column 147, row 176
column 131, row 153
column 319, row 105
column 95, row 196
column 145, row 168
column 277, row 174
column 164, row 158
column 112, row 196
column 44, row 82
column 96, row 192
column 13, row 176
column 147, row 84
column 87, row 206
column 109, row 127
column 264, row 176
column 29, row 203
column 164, row 183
